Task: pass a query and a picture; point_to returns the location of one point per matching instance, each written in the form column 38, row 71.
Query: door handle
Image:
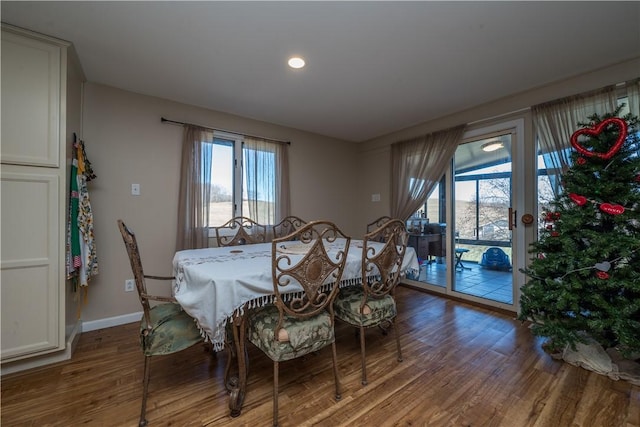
column 512, row 214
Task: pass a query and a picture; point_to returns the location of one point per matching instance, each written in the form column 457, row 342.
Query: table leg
column 231, row 370
column 459, row 265
column 239, row 386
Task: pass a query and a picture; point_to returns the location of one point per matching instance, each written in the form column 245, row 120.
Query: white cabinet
column 33, row 190
column 31, row 100
column 30, row 261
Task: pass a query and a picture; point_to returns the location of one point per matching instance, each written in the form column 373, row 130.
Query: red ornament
column 581, row 161
column 602, row 275
column 611, row 209
column 551, row 216
column 578, row 199
column 554, row 234
column 597, row 130
column 637, row 178
column 549, row 227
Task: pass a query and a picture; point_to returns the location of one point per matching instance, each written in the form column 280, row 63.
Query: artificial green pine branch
column 584, row 275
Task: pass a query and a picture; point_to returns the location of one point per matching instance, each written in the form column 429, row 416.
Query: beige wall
column 375, row 154
column 75, row 80
column 126, row 143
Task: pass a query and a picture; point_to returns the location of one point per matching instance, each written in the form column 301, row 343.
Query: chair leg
column 275, row 394
column 362, row 356
column 336, row 376
column 145, row 389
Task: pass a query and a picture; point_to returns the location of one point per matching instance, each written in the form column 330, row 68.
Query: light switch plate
column 135, row 189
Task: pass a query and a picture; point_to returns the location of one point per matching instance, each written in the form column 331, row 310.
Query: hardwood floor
column 463, row 366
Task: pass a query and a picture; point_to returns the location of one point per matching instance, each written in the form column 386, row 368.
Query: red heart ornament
column 596, row 131
column 611, row 209
column 578, row 199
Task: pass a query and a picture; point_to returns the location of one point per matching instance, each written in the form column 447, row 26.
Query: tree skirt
column 608, row 362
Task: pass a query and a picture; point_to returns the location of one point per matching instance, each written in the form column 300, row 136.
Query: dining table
column 218, row 286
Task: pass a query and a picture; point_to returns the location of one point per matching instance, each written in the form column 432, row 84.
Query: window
column 243, row 179
column 482, row 194
column 549, row 186
column 433, row 209
column 222, row 206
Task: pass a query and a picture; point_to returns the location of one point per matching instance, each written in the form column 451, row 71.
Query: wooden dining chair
column 377, row 223
column 164, row 328
column 306, row 273
column 240, row 231
column 373, row 304
column 287, row 226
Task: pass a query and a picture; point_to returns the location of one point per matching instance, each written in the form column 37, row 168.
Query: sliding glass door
column 468, row 239
column 481, row 226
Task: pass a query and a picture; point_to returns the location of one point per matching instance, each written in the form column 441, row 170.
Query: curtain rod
column 163, row 120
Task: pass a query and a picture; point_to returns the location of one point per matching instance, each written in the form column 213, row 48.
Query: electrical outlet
column 129, row 285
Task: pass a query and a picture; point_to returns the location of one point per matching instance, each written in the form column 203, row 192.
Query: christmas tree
column 584, row 277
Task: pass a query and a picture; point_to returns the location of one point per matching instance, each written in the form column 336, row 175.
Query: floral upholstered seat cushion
column 174, row 330
column 348, row 302
column 304, row 335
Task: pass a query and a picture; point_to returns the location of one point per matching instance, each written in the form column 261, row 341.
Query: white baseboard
column 72, row 338
column 111, row 321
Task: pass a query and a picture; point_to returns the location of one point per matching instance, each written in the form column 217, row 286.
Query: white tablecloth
column 213, row 283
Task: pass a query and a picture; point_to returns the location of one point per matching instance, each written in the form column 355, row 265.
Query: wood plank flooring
column 463, row 366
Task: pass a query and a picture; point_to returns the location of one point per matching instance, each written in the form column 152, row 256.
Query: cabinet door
column 31, row 98
column 31, row 264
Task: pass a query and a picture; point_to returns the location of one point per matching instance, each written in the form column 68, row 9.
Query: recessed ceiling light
column 492, row 146
column 296, row 62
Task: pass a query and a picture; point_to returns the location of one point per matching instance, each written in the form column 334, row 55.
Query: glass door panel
column 482, row 235
column 472, row 247
column 429, row 239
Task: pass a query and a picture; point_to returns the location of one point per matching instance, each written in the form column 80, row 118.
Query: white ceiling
column 372, row 67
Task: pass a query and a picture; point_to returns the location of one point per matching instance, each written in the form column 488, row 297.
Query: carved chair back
column 377, row 223
column 131, row 244
column 287, row 226
column 240, row 231
column 311, row 265
column 382, row 256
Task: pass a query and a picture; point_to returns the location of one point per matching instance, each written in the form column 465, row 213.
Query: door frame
column 519, row 246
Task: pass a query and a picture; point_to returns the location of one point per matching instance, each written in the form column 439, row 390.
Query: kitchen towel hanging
column 81, row 257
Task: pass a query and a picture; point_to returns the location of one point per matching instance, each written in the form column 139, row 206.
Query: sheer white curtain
column 417, row 165
column 633, row 94
column 554, row 122
column 195, row 188
column 266, row 179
